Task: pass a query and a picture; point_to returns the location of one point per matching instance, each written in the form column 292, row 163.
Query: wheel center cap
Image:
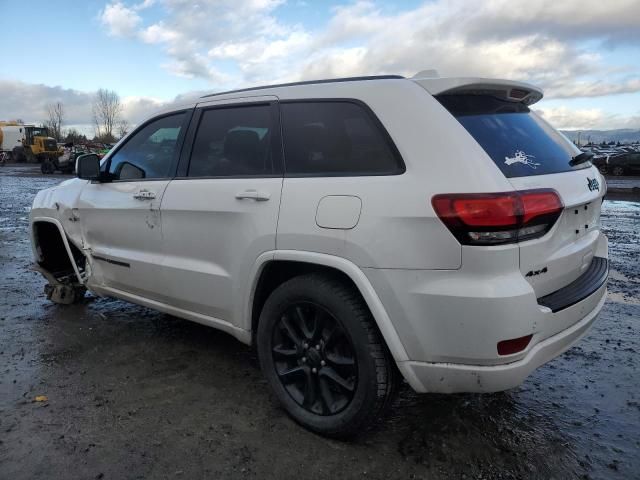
column 314, row 357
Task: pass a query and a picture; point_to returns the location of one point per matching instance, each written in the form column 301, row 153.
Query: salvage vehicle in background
column 356, row 231
column 11, row 135
column 66, row 163
column 600, row 162
column 621, row 164
column 28, row 143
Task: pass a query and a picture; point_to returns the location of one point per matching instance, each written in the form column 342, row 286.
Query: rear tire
column 47, row 167
column 19, row 155
column 617, row 171
column 603, row 170
column 324, row 357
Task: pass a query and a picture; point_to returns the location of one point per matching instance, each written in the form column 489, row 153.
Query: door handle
column 256, row 195
column 144, row 195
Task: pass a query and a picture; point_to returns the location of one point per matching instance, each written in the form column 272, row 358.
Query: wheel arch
column 273, row 268
column 44, row 226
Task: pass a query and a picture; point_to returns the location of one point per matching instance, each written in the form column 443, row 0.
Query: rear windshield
column 519, row 142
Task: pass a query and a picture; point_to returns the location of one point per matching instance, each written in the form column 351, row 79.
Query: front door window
column 150, row 153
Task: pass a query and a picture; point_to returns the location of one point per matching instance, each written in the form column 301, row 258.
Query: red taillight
column 487, row 211
column 497, row 218
column 515, row 345
column 538, row 203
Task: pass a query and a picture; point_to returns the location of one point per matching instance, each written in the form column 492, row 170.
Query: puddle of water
column 618, row 297
column 616, row 275
column 610, row 206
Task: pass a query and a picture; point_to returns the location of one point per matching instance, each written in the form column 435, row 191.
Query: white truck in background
column 10, row 137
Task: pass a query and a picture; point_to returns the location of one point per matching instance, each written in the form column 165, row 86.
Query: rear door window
column 234, row 141
column 519, row 142
column 336, row 138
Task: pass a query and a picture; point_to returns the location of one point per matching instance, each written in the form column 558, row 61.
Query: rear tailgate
column 562, row 255
column 532, row 155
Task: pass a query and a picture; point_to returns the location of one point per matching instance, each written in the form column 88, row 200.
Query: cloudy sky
column 585, row 54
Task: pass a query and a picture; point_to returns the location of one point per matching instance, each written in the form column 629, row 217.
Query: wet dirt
column 132, row 393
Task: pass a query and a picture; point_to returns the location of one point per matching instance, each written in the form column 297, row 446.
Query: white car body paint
column 341, row 212
column 198, row 248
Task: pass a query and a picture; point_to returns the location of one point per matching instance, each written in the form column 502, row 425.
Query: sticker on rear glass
column 523, row 158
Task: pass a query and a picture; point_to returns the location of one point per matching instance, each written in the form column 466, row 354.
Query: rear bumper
column 450, row 322
column 591, row 280
column 452, row 378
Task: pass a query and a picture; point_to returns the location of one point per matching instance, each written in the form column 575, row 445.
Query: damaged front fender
column 57, row 243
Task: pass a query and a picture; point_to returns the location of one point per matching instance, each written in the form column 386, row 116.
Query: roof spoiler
column 506, row 89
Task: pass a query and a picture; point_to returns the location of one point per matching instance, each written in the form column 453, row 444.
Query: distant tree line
column 107, row 116
column 55, row 112
column 74, row 136
column 108, row 121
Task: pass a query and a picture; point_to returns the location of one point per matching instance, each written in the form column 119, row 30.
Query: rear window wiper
column 580, row 158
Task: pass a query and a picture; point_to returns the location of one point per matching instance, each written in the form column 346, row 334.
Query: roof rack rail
column 309, row 82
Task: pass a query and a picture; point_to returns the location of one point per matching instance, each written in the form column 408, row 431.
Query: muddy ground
column 137, row 394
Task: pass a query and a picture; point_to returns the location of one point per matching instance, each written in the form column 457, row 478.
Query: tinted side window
column 336, row 138
column 233, row 141
column 150, row 152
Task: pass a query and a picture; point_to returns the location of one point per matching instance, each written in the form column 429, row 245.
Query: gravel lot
column 133, row 393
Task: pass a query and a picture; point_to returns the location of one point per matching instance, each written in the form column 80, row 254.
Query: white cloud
column 458, row 40
column 29, row 102
column 144, row 4
column 542, row 41
column 158, row 33
column 615, row 21
column 595, row 88
column 120, row 20
column 587, row 119
column 563, row 46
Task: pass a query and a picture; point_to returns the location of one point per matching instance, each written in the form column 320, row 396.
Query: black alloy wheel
column 617, row 171
column 323, row 356
column 314, row 359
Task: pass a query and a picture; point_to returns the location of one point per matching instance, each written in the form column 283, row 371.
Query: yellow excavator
column 28, row 143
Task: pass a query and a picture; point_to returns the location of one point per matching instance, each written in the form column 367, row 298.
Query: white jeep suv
column 356, row 231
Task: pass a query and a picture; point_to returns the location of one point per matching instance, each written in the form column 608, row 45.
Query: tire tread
column 385, row 370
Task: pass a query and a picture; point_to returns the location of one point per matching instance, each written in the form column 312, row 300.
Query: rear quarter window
column 336, row 138
column 518, row 141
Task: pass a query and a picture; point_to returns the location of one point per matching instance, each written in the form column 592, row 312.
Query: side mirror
column 88, row 166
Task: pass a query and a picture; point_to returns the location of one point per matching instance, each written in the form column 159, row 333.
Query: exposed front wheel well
column 51, row 252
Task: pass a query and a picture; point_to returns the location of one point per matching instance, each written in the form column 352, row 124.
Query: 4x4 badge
column 533, row 273
column 593, row 184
